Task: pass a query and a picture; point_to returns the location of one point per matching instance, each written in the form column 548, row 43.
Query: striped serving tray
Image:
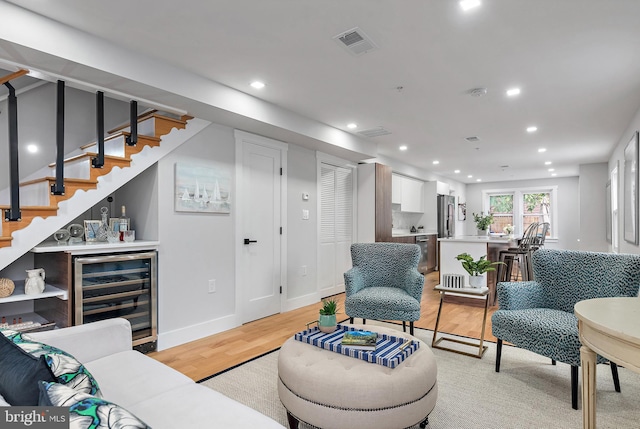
column 387, row 352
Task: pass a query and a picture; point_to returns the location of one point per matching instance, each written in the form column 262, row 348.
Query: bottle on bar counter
column 124, row 222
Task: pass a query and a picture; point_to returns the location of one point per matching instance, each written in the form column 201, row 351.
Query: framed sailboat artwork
column 202, row 189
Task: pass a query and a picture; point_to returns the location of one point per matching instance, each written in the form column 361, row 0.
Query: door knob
column 247, row 241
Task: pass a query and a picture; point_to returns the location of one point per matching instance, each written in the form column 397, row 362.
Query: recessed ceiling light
column 513, row 92
column 469, row 4
column 436, row 162
column 403, row 147
column 554, row 174
column 541, row 150
column 470, row 176
column 478, row 180
column 32, row 148
column 551, row 169
column 547, row 163
column 352, row 126
column 456, row 171
column 532, row 129
column 257, row 84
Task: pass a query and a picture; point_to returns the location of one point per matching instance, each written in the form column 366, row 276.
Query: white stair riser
column 112, row 147
column 78, row 169
column 35, row 194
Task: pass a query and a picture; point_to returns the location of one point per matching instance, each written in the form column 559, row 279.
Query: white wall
column 37, row 125
column 617, row 156
column 568, row 206
column 302, row 234
column 593, row 234
column 194, row 247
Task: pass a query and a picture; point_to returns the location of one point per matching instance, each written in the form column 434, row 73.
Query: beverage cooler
column 119, row 285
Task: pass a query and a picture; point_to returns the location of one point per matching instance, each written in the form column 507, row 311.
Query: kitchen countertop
column 478, row 239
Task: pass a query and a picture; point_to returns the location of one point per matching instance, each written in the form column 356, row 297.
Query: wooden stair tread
column 122, row 134
column 32, row 208
column 67, row 180
column 15, row 75
column 145, row 116
column 92, row 155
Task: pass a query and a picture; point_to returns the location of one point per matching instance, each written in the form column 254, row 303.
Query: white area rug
column 528, row 392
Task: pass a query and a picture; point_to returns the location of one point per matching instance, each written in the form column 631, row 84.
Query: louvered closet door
column 336, row 227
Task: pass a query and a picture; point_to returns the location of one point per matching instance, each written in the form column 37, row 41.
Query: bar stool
column 520, row 255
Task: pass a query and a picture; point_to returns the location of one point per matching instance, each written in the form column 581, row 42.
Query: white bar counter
column 476, row 246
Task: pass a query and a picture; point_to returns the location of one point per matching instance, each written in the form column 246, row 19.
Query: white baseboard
column 195, row 332
column 302, row 301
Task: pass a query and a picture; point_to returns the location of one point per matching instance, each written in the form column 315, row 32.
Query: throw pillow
column 20, row 373
column 64, row 367
column 86, row 411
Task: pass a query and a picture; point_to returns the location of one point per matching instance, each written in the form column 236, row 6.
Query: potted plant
column 327, row 322
column 476, row 269
column 482, row 222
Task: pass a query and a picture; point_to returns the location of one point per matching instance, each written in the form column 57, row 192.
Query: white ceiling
column 577, row 63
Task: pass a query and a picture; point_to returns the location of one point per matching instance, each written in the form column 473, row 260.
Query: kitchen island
column 476, row 246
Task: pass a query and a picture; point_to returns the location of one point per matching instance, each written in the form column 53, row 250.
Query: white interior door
column 336, row 227
column 260, row 221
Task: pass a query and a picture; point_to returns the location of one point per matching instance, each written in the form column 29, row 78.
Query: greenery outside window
column 501, row 207
column 520, row 207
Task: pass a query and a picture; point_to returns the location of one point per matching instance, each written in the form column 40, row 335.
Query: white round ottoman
column 331, row 391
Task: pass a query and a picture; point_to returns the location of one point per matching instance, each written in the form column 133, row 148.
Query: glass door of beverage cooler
column 122, row 285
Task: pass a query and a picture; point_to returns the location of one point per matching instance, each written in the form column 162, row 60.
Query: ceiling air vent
column 472, row 139
column 355, row 41
column 374, row 132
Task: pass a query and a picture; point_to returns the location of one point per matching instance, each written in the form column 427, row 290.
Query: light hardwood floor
column 207, row 356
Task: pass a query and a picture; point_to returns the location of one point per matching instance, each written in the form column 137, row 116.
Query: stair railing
column 58, row 187
column 98, row 161
column 13, row 214
column 132, row 138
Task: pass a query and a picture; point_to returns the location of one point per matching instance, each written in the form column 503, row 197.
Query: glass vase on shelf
column 104, row 225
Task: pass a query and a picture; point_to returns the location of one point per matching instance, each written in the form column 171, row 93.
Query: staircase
column 43, row 213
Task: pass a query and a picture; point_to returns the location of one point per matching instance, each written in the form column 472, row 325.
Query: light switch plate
column 305, row 214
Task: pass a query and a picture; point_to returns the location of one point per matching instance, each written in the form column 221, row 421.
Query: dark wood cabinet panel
column 383, row 203
column 432, row 252
column 57, row 267
column 409, row 240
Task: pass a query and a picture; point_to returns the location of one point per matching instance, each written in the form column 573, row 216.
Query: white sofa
column 154, row 392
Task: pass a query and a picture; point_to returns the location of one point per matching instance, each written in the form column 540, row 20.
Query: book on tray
column 361, row 340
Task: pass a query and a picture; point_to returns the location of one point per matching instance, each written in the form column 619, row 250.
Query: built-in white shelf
column 93, row 247
column 19, row 295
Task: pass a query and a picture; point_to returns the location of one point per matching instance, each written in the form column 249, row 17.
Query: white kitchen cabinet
column 412, row 195
column 408, row 193
column 396, row 189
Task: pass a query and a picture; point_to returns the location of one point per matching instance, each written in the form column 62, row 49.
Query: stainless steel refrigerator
column 446, row 216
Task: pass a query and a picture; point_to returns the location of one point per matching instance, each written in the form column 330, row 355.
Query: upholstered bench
column 332, row 391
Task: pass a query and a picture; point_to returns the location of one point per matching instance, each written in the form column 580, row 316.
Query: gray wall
column 569, row 215
column 302, row 234
column 617, row 156
column 593, row 234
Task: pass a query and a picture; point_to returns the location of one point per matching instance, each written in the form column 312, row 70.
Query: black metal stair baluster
column 58, row 187
column 98, row 161
column 13, row 213
column 132, row 139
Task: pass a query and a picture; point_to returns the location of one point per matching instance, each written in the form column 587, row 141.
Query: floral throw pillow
column 86, row 411
column 65, row 368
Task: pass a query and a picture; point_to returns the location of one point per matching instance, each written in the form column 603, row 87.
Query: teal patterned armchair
column 384, row 283
column 538, row 315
